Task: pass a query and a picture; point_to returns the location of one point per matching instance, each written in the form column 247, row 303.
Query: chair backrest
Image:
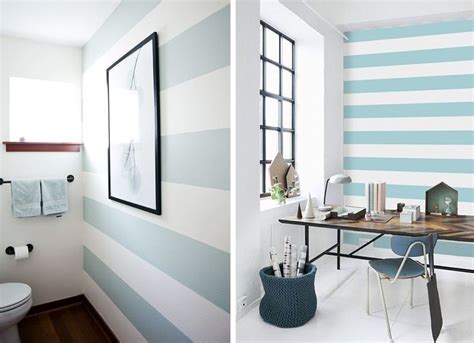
column 400, row 244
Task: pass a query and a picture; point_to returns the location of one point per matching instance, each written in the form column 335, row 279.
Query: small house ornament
column 441, row 200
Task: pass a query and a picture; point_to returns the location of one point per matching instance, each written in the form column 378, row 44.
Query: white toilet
column 15, row 302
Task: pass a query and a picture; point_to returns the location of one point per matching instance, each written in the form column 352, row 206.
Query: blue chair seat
column 389, row 267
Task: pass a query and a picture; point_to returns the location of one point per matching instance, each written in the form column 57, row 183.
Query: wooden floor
column 71, row 324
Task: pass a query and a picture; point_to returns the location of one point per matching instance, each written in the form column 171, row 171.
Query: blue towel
column 55, row 196
column 26, row 198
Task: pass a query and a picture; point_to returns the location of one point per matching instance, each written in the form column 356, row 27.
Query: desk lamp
column 338, row 178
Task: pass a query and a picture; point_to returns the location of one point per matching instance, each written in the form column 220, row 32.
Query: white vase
column 309, row 211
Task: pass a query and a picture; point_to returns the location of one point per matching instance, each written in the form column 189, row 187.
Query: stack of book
column 375, row 197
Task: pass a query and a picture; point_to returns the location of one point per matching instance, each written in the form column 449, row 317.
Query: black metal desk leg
column 338, row 249
column 306, row 241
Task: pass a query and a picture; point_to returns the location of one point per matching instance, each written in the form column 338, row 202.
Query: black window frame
column 264, row 161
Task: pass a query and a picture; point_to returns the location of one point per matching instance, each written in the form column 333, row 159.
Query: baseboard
column 54, row 305
column 75, row 300
column 107, row 330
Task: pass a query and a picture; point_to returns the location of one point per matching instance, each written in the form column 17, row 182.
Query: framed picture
column 134, row 128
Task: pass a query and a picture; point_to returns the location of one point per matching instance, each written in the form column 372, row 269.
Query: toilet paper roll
column 21, row 252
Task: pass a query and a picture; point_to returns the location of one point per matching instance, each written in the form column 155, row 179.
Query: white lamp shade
column 340, row 178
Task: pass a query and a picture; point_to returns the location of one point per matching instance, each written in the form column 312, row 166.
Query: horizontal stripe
column 442, row 247
column 190, row 13
column 464, row 53
column 184, row 259
column 410, row 84
column 409, row 124
column 188, row 158
column 449, row 40
column 92, row 162
column 199, row 50
column 151, row 323
column 410, row 97
column 411, row 31
column 406, row 191
column 409, row 150
column 115, row 319
column 207, row 105
column 409, row 137
column 449, row 109
column 159, row 19
column 464, row 208
column 143, row 278
column 457, row 180
column 201, row 204
column 410, row 164
column 409, row 70
column 125, row 16
column 197, row 158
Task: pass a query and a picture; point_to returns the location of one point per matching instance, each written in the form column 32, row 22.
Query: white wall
column 54, row 267
column 155, row 289
column 246, row 149
column 319, row 136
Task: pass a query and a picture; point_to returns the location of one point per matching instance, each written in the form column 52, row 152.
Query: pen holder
column 288, row 302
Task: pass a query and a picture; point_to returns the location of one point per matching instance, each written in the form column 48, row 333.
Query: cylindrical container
column 288, row 302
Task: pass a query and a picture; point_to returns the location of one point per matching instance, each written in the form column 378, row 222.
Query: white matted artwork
column 134, row 128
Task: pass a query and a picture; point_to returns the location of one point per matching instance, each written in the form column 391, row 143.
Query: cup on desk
column 400, row 206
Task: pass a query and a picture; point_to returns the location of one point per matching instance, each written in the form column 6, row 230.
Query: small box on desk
column 406, row 218
column 414, row 210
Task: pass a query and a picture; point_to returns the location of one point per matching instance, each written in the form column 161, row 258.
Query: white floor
column 341, row 315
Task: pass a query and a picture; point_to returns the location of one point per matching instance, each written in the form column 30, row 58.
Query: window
column 44, row 111
column 277, row 100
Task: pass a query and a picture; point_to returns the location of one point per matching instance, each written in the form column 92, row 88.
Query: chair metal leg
column 368, row 291
column 389, row 332
column 411, row 292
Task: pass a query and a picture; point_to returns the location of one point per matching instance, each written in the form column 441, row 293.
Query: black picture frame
column 153, row 38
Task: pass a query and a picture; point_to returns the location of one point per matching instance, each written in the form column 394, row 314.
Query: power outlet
column 241, row 303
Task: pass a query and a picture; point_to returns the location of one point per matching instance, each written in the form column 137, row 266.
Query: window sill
column 42, row 147
column 267, row 204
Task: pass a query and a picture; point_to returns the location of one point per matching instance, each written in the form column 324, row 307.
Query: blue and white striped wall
column 409, row 113
column 164, row 278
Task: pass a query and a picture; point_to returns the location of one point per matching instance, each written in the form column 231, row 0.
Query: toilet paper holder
column 11, row 250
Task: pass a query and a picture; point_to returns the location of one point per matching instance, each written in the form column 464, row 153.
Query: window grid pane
column 277, row 101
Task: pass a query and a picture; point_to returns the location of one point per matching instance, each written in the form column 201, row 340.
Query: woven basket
column 288, row 302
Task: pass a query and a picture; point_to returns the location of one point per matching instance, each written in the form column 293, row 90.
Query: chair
column 393, row 269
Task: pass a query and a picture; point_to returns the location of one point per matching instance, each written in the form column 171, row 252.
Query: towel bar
column 69, row 178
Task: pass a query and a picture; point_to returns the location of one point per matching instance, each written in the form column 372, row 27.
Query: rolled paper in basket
column 302, row 260
column 276, row 266
column 287, row 257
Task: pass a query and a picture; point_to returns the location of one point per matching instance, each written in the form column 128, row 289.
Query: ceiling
column 365, row 14
column 67, row 22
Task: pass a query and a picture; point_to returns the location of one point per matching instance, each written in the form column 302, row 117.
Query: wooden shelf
column 42, row 147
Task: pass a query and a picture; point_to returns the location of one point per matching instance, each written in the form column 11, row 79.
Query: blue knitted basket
column 288, row 302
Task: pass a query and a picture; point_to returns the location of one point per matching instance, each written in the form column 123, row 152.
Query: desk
column 454, row 228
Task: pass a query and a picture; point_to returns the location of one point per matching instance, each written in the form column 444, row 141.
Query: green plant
column 278, row 192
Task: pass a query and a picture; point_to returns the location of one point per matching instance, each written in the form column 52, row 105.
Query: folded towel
column 26, row 198
column 55, row 196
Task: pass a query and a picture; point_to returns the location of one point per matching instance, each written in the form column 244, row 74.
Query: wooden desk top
column 454, row 228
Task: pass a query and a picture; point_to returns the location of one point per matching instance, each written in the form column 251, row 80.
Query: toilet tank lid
column 13, row 293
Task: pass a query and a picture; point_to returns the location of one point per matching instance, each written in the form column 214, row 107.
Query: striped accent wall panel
column 164, row 278
column 409, row 114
